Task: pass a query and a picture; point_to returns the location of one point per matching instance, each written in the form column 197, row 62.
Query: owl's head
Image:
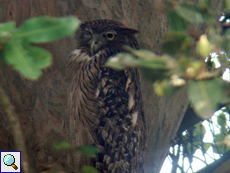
column 93, row 36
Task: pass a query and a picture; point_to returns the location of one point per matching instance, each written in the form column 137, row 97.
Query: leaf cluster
column 89, row 151
column 184, row 57
column 15, row 43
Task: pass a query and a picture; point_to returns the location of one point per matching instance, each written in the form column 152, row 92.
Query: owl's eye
column 110, row 36
column 87, row 34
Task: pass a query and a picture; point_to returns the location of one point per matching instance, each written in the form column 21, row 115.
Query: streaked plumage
column 105, row 105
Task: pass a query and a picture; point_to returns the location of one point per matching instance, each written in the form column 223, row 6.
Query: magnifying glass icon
column 9, row 160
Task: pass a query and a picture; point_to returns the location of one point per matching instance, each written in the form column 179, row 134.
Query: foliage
column 88, row 150
column 184, row 55
column 89, row 169
column 15, row 43
column 62, row 145
column 204, row 141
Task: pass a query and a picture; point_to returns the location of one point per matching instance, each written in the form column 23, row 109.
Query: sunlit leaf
column 151, row 65
column 205, row 96
column 62, row 145
column 206, row 146
column 220, row 148
column 204, row 47
column 226, row 141
column 89, row 169
column 221, row 120
column 121, row 61
column 199, row 132
column 195, row 68
column 88, row 150
column 177, row 81
column 189, row 12
column 219, row 137
column 192, row 147
column 45, row 29
column 148, row 56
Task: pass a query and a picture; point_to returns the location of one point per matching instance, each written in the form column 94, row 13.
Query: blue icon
column 9, row 160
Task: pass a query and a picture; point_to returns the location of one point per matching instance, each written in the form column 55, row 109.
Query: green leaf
column 16, row 55
column 204, row 47
column 176, row 22
column 192, row 147
column 195, row 68
column 152, row 66
column 225, row 42
column 89, row 169
column 88, row 150
column 45, row 29
column 219, row 137
column 221, row 120
column 143, row 54
column 41, row 57
column 62, row 145
column 121, row 61
column 220, row 149
column 151, row 61
column 227, row 4
column 206, row 146
column 176, row 43
column 207, row 11
column 7, row 27
column 205, row 96
column 199, row 132
column 6, row 31
column 26, row 59
column 189, row 12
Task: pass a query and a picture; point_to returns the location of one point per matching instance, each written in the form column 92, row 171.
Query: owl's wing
column 83, row 109
column 122, row 126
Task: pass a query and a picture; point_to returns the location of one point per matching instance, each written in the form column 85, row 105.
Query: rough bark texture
column 41, row 104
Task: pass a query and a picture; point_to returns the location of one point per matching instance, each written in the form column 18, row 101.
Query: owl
column 105, row 105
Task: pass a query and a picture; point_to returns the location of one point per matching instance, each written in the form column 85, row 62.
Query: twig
column 15, row 128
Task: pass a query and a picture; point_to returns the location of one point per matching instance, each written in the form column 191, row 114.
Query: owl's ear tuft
column 129, row 31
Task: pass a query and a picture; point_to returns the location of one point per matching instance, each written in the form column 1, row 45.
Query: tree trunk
column 41, row 104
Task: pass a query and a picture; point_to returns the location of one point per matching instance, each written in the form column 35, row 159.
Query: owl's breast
column 111, row 88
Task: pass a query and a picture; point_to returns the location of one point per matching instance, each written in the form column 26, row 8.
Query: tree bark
column 41, row 104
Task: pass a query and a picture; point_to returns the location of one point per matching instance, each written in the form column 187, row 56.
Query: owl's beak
column 96, row 43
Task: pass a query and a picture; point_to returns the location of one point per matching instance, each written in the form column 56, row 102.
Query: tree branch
column 15, row 128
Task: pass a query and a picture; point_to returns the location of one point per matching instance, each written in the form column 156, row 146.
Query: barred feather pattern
column 105, row 110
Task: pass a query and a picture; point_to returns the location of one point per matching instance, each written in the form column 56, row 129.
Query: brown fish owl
column 105, row 105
